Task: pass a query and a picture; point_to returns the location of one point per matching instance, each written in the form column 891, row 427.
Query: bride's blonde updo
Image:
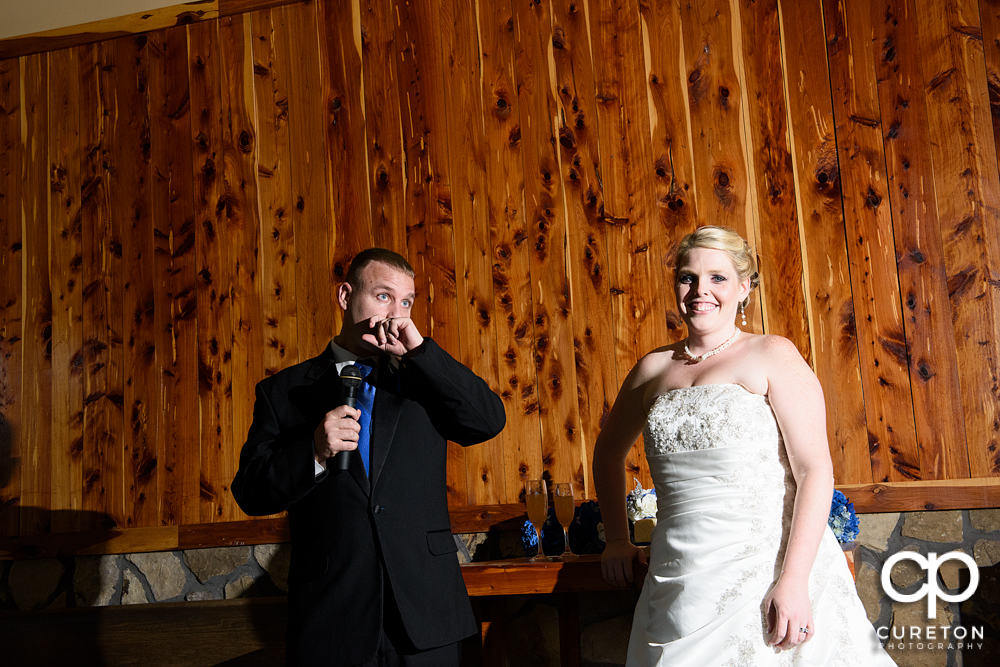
column 721, row 238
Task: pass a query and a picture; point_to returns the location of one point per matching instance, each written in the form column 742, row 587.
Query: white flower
column 645, row 506
column 641, row 503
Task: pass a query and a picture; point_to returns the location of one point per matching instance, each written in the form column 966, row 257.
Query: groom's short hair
column 366, row 257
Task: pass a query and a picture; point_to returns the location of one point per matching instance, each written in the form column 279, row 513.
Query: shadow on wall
column 17, row 543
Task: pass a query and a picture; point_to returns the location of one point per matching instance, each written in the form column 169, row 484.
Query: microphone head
column 351, row 376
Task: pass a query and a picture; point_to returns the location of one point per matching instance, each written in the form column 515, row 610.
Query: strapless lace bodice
column 708, row 416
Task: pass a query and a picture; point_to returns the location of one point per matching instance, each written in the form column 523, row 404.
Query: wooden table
column 520, row 576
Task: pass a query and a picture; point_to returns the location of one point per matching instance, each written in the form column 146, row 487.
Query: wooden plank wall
column 177, row 207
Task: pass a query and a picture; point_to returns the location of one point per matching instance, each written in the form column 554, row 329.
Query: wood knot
column 872, row 198
column 515, row 137
column 558, row 38
column 888, row 50
column 724, row 97
column 567, row 139
column 246, row 142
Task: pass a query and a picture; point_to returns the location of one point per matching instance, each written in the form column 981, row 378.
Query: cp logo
column 931, row 588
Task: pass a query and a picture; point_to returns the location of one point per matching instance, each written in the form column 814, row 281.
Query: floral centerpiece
column 843, row 521
column 640, row 505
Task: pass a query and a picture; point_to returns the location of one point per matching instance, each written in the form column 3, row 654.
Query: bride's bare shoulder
column 774, row 348
column 655, row 363
column 775, row 356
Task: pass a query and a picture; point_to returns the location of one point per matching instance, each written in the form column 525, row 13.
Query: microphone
column 350, row 380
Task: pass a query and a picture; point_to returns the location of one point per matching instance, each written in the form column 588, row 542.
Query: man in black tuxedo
column 374, row 577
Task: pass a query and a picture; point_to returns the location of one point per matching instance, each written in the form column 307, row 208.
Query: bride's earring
column 743, row 313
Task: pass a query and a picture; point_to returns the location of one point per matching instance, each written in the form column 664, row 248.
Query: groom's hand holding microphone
column 337, row 432
column 331, row 436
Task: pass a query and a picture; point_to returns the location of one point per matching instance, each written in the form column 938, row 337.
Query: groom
column 374, row 579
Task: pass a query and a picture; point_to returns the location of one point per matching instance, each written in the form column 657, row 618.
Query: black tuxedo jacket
column 345, row 524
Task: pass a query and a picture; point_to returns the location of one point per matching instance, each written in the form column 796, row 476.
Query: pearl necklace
column 714, row 350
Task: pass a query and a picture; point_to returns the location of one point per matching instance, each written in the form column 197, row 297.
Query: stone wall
column 974, row 532
column 168, row 576
column 532, row 629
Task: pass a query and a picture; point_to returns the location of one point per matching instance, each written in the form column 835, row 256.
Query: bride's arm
column 797, row 399
column 620, row 431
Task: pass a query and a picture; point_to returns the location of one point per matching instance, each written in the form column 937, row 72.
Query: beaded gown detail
column 724, row 507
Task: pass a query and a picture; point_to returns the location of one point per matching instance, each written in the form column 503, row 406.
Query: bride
column 744, row 570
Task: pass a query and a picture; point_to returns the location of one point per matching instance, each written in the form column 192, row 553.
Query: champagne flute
column 536, row 497
column 565, row 510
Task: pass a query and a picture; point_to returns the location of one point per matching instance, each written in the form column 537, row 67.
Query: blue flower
column 552, row 536
column 529, row 537
column 843, row 521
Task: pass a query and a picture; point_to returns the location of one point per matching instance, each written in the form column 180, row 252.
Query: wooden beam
column 130, row 24
column 230, row 7
column 867, row 498
column 924, row 495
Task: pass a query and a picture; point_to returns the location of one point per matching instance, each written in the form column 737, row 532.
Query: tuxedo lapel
column 385, row 417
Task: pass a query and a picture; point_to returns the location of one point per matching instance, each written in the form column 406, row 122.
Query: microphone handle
column 342, row 460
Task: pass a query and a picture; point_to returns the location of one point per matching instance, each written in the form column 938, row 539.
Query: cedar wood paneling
column 177, row 207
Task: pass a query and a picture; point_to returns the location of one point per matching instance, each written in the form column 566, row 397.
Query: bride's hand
column 787, row 611
column 616, row 562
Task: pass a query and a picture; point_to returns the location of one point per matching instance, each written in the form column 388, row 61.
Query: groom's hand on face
column 337, row 432
column 393, row 335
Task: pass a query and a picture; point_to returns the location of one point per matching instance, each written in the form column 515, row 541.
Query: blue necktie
column 366, row 402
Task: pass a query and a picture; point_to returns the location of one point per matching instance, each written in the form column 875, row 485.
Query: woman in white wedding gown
column 744, row 570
